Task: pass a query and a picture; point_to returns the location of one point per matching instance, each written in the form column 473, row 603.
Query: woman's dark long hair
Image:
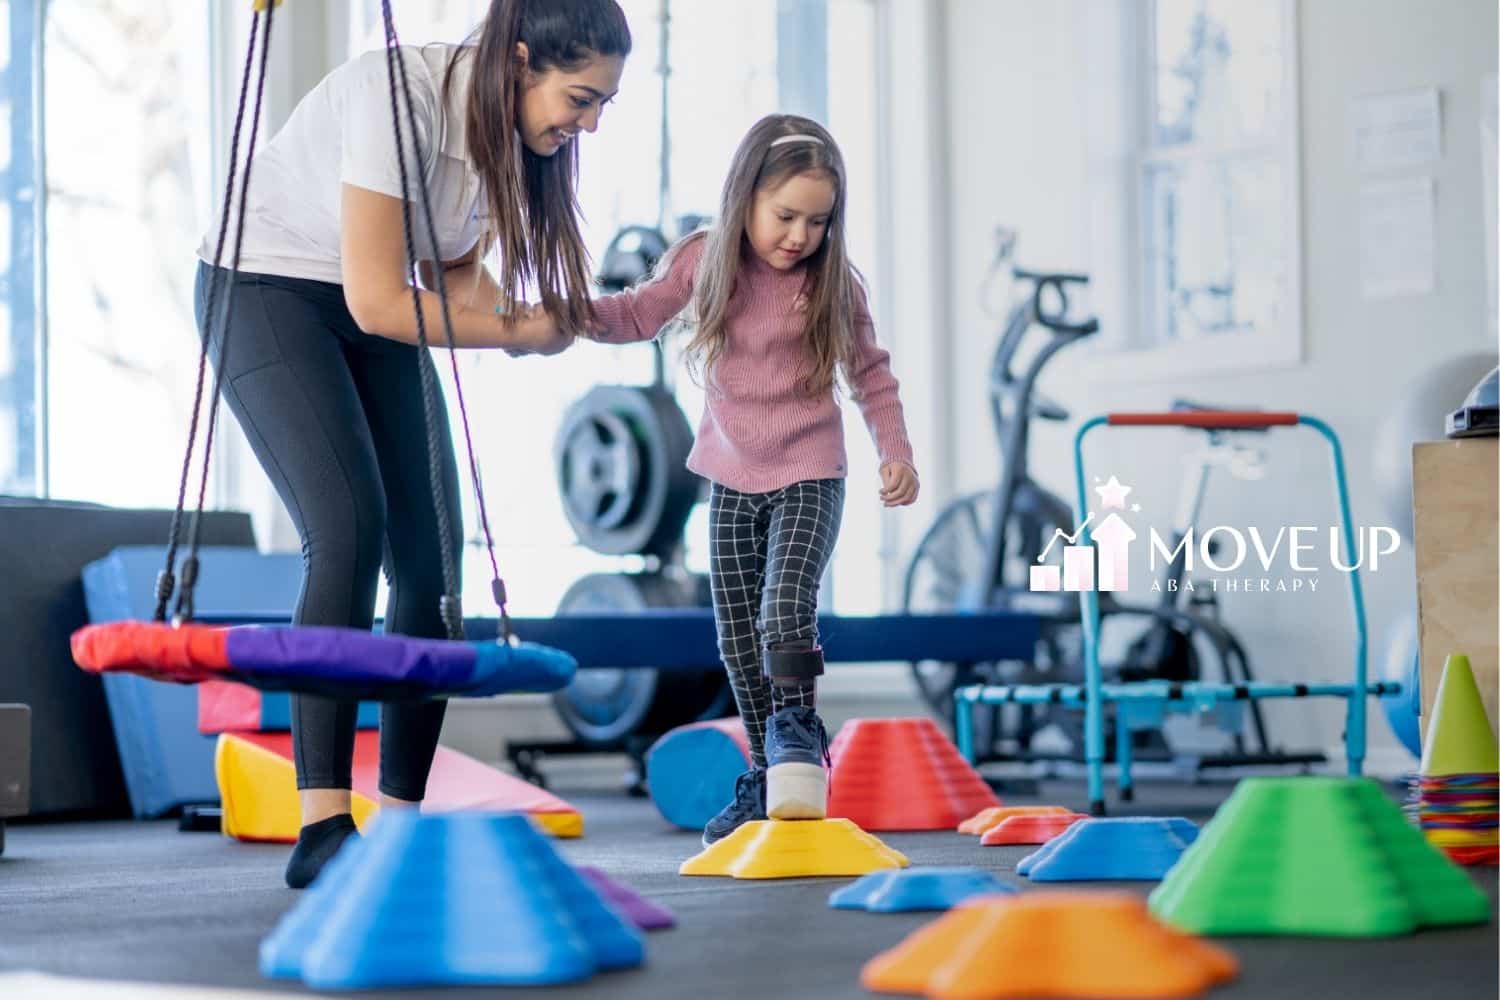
column 532, row 199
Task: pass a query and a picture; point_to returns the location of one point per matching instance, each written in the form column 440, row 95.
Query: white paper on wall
column 1398, row 130
column 1397, row 237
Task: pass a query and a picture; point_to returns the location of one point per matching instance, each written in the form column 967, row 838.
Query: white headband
column 800, row 137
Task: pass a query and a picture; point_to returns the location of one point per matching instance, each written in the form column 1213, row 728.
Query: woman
column 320, row 370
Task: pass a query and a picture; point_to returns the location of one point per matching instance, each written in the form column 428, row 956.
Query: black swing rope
column 166, row 581
column 450, row 605
column 395, row 63
column 184, row 609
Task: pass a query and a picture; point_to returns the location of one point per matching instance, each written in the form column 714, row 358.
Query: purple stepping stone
column 642, row 912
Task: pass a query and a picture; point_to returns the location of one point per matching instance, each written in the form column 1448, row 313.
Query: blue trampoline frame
column 1145, row 703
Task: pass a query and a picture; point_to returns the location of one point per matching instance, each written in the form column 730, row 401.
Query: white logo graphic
column 1104, row 563
column 1111, row 539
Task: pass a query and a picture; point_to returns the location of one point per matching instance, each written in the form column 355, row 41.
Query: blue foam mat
column 167, row 763
column 691, row 774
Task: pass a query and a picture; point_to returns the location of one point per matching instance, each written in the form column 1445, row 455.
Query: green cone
column 1314, row 856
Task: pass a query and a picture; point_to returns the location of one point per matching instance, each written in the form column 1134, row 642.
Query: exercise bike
column 962, row 562
column 979, row 550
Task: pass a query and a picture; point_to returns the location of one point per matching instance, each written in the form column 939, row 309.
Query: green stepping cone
column 1314, row 856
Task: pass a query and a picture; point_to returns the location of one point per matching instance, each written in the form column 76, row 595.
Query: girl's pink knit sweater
column 759, row 432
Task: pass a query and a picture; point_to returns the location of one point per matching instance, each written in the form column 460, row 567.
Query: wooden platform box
column 1454, row 490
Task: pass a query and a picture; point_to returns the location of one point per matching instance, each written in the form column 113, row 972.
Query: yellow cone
column 771, row 848
column 1462, row 838
column 1459, row 737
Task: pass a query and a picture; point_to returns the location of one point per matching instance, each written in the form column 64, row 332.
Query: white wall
column 912, row 301
column 1034, row 122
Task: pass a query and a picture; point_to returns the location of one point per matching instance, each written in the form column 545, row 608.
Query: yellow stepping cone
column 771, row 848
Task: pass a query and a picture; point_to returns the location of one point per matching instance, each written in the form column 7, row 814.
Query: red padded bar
column 1206, row 419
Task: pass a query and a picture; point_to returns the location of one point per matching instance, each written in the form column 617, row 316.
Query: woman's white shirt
column 341, row 133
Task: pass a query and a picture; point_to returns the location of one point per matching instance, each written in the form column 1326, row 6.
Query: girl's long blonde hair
column 830, row 285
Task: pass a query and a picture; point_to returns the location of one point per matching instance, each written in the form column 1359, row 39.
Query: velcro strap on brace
column 801, row 664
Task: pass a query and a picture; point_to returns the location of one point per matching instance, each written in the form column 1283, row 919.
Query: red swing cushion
column 185, row 653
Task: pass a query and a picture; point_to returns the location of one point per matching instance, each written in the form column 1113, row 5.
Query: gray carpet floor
column 143, row 902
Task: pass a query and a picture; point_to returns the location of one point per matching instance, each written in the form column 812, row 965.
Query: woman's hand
column 899, row 484
column 534, row 331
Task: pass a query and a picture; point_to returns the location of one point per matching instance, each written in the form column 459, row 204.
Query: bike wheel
column 947, row 573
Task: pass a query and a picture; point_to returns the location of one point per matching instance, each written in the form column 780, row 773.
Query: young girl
column 779, row 312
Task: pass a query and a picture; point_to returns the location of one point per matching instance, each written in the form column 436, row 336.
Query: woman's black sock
column 317, row 843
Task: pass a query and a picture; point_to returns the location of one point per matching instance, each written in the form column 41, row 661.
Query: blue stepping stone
column 903, row 889
column 1127, row 848
column 445, row 900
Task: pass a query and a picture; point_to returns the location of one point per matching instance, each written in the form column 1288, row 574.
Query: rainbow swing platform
column 349, row 663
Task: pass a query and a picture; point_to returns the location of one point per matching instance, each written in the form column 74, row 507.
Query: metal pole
column 664, row 169
column 1354, row 730
column 664, row 165
column 1093, row 712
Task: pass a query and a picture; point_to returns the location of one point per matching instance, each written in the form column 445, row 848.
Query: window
column 22, row 455
column 126, row 116
column 97, row 341
column 1218, row 184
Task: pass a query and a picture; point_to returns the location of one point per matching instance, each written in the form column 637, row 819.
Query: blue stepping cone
column 447, row 900
column 1133, row 847
column 281, row 950
column 903, row 889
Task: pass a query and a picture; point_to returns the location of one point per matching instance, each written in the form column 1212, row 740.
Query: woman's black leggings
column 335, row 418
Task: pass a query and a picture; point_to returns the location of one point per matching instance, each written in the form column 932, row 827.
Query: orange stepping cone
column 1050, row 943
column 1028, row 829
column 902, row 774
column 794, row 848
column 987, row 819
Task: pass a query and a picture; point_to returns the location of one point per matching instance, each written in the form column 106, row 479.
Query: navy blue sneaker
column 749, row 804
column 796, row 751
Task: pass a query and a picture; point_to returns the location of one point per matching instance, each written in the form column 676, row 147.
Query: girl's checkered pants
column 767, row 554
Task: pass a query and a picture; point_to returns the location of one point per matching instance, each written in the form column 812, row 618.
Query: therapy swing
column 345, row 662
